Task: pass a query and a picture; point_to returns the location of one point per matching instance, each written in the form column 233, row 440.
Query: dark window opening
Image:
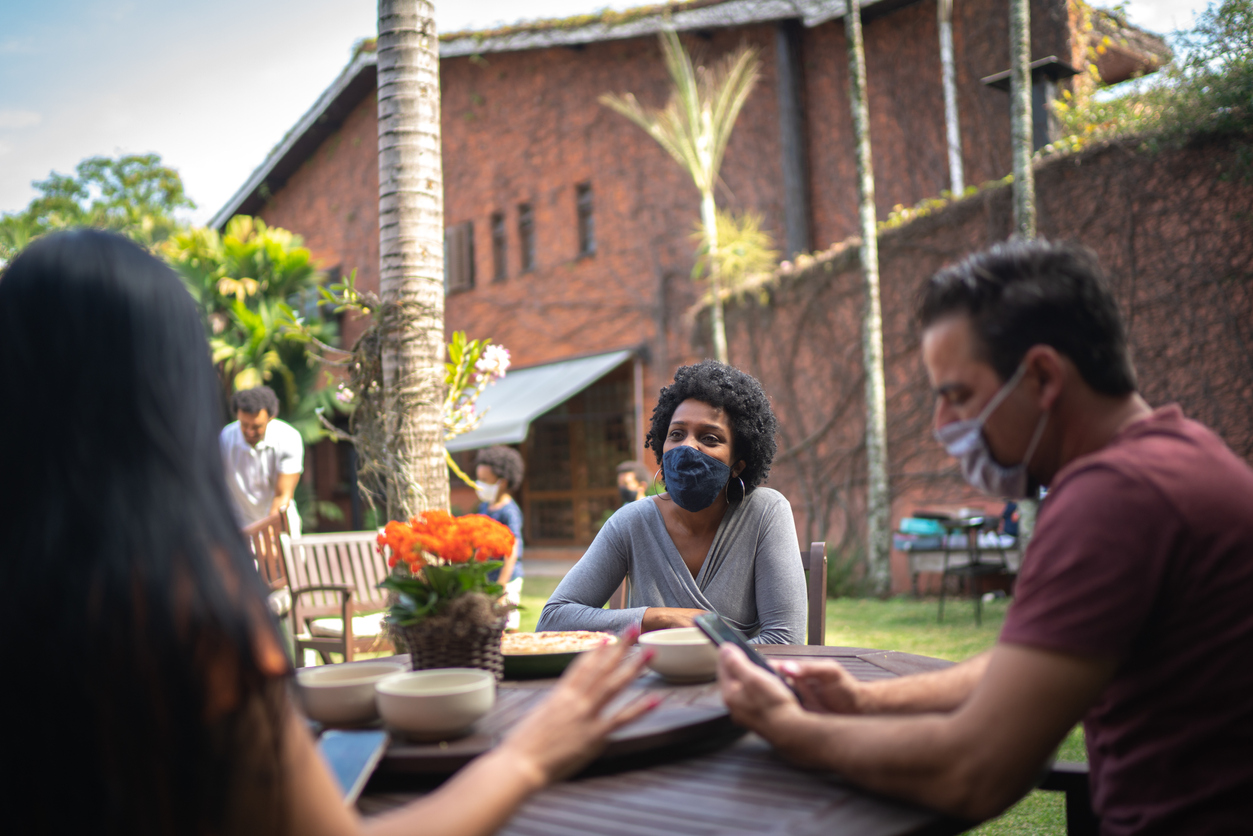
column 459, row 257
column 500, row 264
column 526, row 236
column 587, row 221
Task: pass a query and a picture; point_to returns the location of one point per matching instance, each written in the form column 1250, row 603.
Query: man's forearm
column 284, row 490
column 942, row 690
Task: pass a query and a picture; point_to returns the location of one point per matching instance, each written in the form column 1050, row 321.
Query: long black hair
column 134, row 698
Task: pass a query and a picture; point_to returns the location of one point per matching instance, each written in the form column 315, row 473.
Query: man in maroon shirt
column 1134, row 607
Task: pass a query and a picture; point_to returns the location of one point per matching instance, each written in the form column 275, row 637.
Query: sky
column 213, row 87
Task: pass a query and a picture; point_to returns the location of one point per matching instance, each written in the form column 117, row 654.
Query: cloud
column 15, row 119
column 4, row 149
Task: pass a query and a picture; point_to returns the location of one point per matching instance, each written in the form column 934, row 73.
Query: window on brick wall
column 459, row 257
column 526, row 236
column 500, row 252
column 587, row 221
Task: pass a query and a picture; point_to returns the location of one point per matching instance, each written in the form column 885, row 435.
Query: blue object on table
column 913, row 525
column 352, row 756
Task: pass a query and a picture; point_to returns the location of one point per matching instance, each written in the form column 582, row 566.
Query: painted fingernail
column 631, row 633
column 655, row 701
column 649, row 653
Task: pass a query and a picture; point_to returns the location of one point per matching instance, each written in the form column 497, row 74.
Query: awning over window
column 511, row 404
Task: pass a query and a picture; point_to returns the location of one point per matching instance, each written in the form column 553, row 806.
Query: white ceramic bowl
column 342, row 694
column 436, row 704
column 682, row 654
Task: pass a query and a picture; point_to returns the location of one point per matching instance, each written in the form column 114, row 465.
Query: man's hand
column 756, row 699
column 825, row 687
column 664, row 618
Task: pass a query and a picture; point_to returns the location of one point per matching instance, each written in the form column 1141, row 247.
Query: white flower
column 494, row 361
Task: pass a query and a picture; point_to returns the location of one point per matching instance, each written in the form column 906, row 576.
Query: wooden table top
column 741, row 788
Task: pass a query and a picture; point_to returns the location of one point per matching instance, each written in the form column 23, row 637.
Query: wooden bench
column 337, row 606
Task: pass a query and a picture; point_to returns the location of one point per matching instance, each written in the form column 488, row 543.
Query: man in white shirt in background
column 263, row 458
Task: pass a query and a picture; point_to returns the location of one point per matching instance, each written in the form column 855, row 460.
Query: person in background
column 263, row 458
column 119, row 540
column 632, row 481
column 1131, row 611
column 498, row 473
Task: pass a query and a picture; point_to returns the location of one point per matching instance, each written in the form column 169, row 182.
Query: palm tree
column 411, row 257
column 694, row 128
column 878, row 495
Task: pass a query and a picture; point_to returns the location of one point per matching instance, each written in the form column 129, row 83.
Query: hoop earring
column 743, row 490
column 663, row 481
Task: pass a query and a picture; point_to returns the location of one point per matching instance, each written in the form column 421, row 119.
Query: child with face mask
column 498, row 473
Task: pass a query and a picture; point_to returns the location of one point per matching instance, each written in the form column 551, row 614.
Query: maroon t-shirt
column 1143, row 552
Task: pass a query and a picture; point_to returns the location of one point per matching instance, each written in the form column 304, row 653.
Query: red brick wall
column 526, row 126
column 1172, row 232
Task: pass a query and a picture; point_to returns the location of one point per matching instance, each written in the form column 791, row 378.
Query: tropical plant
column 694, row 128
column 746, row 255
column 411, row 256
column 252, row 283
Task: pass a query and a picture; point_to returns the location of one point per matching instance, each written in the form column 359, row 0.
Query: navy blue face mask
column 693, row 479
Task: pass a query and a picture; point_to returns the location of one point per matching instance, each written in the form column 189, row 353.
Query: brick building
column 569, row 230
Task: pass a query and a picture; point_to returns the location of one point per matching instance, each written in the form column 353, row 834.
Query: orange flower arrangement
column 438, row 534
column 436, row 557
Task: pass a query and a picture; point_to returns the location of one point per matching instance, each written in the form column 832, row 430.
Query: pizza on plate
column 553, row 641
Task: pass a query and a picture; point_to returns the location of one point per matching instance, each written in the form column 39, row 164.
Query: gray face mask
column 964, row 441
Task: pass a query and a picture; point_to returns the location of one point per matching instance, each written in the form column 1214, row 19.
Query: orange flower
column 441, row 535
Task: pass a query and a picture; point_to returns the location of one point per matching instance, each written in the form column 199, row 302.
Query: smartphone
column 720, row 633
column 352, row 756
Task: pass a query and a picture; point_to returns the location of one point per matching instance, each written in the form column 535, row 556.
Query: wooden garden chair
column 337, row 606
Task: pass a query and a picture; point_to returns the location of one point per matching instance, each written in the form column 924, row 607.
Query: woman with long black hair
column 145, row 691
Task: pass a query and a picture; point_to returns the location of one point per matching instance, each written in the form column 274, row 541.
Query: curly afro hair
column 737, row 394
column 505, row 462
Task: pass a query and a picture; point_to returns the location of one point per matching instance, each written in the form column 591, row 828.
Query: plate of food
column 535, row 655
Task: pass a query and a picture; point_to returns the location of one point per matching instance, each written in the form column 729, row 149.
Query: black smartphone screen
column 719, row 632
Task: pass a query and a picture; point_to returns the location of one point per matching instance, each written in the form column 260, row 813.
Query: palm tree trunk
column 411, row 255
column 709, row 219
column 878, row 497
column 1020, row 116
column 948, row 75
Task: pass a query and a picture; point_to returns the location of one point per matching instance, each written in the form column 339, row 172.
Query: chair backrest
column 340, row 557
column 264, row 538
column 815, row 563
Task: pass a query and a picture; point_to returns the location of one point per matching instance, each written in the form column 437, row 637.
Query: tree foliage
column 1205, row 90
column 134, row 194
column 252, row 281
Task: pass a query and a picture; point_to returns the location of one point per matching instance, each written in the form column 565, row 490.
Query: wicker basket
column 457, row 646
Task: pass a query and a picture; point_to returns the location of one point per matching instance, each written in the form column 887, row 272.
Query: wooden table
column 741, row 788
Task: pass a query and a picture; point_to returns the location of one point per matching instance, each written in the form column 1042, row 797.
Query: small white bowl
column 682, row 654
column 436, row 704
column 343, row 694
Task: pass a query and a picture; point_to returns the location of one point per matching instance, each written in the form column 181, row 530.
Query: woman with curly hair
column 715, row 541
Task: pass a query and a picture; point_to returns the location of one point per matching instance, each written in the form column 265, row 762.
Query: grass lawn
column 910, row 626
